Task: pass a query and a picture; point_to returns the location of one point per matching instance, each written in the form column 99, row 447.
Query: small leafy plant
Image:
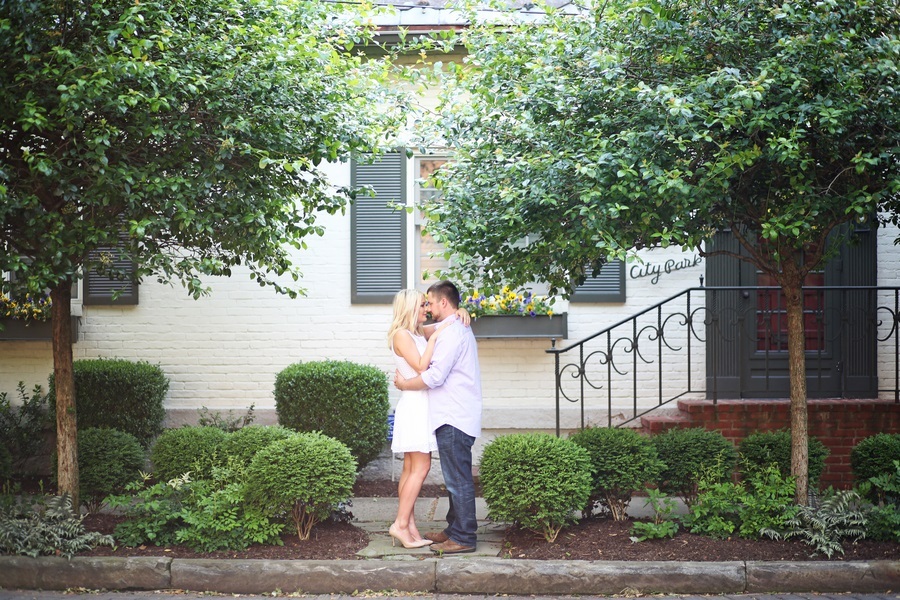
column 663, row 524
column 48, row 527
column 823, row 527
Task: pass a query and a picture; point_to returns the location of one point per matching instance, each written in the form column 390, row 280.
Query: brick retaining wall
column 838, row 423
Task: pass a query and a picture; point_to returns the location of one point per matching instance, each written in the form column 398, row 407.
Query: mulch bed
column 591, row 539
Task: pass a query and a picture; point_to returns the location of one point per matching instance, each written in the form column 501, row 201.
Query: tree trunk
column 793, row 294
column 64, row 382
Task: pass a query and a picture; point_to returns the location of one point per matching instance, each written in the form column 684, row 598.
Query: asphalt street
column 181, row 595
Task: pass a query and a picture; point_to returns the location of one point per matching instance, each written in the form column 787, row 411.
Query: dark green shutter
column 607, row 286
column 378, row 231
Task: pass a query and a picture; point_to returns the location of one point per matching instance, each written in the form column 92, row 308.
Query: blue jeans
column 455, row 448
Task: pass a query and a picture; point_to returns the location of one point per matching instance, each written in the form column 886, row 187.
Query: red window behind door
column 771, row 315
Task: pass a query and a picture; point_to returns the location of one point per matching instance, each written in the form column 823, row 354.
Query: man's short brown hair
column 446, row 289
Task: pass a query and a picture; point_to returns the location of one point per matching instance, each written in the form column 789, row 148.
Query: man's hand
column 399, row 380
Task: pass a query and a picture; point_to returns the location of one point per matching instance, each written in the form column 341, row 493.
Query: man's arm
column 415, row 383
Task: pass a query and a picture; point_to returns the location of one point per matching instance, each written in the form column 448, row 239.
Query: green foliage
column 763, row 448
column 663, row 524
column 764, row 501
column 216, row 517
column 304, row 476
column 620, row 130
column 340, row 399
column 22, row 427
column 228, row 422
column 875, row 455
column 244, row 443
column 687, row 453
column 884, row 516
column 823, row 527
column 153, row 514
column 108, row 460
column 535, row 480
column 206, row 515
column 622, row 462
column 201, row 126
column 194, row 450
column 119, row 394
column 49, row 527
column 768, row 502
column 5, row 463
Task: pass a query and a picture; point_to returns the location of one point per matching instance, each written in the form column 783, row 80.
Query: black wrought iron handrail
column 852, row 329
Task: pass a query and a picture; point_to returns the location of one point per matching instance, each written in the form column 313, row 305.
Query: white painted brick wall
column 223, row 351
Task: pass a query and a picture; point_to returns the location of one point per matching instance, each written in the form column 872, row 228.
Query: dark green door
column 747, row 330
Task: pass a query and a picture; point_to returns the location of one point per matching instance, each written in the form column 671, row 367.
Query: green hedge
column 343, row 400
column 244, row 443
column 875, row 455
column 119, row 394
column 535, row 480
column 688, row 455
column 108, row 460
column 187, row 449
column 763, row 448
column 622, row 463
column 304, row 477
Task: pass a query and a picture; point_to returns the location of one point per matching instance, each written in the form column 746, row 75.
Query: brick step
column 663, row 419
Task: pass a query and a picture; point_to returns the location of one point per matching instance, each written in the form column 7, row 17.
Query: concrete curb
column 459, row 575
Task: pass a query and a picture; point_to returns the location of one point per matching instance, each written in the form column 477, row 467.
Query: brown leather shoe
column 450, row 547
column 438, row 537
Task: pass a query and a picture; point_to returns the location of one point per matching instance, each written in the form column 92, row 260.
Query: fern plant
column 838, row 516
column 49, row 528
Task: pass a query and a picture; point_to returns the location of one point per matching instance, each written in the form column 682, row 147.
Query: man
column 453, row 381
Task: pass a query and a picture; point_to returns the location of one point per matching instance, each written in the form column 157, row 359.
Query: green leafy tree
column 187, row 132
column 584, row 137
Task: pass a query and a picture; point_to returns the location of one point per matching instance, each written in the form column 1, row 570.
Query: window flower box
column 15, row 330
column 515, row 326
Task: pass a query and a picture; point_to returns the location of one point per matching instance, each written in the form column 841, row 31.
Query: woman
column 412, row 347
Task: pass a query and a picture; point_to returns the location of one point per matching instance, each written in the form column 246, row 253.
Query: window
column 380, row 231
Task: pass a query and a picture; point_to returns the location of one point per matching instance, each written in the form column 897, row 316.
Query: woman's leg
column 415, row 468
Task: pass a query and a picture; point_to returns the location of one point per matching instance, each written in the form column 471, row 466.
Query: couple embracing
column 439, row 409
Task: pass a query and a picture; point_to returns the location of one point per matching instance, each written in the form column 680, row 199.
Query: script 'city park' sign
column 654, row 270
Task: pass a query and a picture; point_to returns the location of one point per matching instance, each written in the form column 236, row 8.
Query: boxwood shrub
column 244, row 443
column 108, row 460
column 535, row 480
column 875, row 455
column 689, row 454
column 304, row 476
column 343, row 400
column 622, row 463
column 763, row 448
column 119, row 394
column 187, row 449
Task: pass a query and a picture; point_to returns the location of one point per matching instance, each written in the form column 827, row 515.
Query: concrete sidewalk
column 383, row 567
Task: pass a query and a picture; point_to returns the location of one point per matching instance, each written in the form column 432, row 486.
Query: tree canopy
column 587, row 136
column 194, row 127
column 190, row 134
column 662, row 122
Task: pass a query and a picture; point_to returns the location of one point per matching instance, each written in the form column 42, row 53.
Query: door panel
column 747, row 330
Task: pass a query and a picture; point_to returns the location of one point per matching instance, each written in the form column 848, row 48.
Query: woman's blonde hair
column 406, row 313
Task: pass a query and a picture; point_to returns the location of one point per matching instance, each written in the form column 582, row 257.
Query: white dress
column 412, row 431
